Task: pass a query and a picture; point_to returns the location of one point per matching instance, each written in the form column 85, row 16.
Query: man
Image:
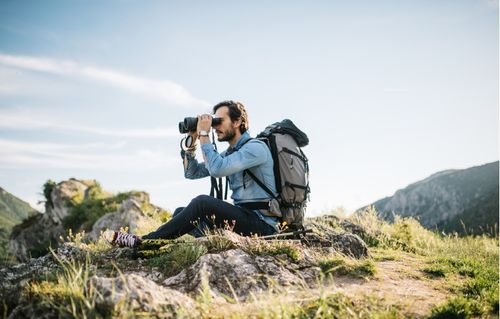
column 250, row 213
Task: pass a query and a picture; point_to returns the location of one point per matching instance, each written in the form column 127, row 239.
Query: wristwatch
column 203, row 133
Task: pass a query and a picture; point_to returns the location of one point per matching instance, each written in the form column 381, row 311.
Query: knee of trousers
column 178, row 210
column 203, row 200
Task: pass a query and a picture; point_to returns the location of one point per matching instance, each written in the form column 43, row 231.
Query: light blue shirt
column 254, row 156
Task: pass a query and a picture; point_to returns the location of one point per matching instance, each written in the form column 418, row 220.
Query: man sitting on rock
column 249, row 214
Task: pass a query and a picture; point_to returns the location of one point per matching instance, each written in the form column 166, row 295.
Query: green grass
column 476, row 260
column 274, row 248
column 68, row 295
column 340, row 306
column 176, row 257
column 343, row 265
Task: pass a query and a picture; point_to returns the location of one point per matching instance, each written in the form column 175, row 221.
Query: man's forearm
column 204, row 140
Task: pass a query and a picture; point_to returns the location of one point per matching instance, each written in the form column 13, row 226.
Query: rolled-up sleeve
column 250, row 155
column 195, row 170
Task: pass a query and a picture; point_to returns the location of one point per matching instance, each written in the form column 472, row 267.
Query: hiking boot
column 122, row 239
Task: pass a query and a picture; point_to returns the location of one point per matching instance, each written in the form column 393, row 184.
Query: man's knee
column 177, row 211
column 203, row 199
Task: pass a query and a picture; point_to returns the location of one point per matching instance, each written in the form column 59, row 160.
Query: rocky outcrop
column 340, row 234
column 33, row 237
column 238, row 274
column 130, row 214
column 136, row 293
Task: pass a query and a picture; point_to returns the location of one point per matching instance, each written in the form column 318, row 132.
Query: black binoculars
column 190, row 123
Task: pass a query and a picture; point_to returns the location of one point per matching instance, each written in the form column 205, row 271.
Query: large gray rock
column 340, row 234
column 129, row 215
column 237, row 274
column 137, row 293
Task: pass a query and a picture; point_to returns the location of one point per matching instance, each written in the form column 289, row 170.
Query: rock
column 34, row 236
column 354, row 228
column 350, row 244
column 128, row 215
column 14, row 278
column 236, row 274
column 135, row 293
column 339, row 233
column 65, row 192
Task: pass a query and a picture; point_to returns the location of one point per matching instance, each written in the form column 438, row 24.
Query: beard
column 227, row 136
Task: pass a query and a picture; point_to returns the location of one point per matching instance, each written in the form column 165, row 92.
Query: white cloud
column 492, row 3
column 167, row 91
column 15, row 154
column 24, row 121
column 396, row 90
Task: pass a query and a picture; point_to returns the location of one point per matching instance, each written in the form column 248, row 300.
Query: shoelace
column 126, row 239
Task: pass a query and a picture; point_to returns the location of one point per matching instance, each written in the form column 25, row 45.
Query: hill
column 409, row 272
column 463, row 201
column 356, row 267
column 12, row 212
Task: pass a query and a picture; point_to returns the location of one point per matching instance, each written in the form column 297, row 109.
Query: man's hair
column 236, row 111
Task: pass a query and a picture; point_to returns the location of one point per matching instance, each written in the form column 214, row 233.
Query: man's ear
column 237, row 123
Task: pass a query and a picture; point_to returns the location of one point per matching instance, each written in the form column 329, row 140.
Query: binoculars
column 190, row 123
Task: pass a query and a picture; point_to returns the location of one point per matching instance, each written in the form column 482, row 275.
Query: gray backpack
column 291, row 171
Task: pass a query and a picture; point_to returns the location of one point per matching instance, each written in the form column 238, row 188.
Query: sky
column 389, row 92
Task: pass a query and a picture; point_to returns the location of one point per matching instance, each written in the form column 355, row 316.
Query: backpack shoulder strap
column 264, row 187
column 247, row 171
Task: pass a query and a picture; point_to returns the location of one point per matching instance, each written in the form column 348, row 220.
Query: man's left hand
column 204, row 123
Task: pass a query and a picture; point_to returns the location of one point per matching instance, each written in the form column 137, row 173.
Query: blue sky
column 389, row 92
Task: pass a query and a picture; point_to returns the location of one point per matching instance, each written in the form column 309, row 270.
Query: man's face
column 226, row 130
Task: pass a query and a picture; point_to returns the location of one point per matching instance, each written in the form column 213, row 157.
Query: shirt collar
column 244, row 137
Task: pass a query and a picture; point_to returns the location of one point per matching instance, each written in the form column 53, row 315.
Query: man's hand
column 204, row 123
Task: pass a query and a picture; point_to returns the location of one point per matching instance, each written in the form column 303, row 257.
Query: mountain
column 465, row 201
column 12, row 212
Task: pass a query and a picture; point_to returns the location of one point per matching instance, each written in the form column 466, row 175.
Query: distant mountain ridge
column 13, row 210
column 449, row 200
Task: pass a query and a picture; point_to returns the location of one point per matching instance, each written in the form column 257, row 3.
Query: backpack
column 291, row 170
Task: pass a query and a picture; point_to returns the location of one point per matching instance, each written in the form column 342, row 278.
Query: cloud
column 166, row 91
column 15, row 154
column 27, row 122
column 396, row 90
column 492, row 3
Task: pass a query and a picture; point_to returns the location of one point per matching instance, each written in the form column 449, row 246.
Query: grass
column 261, row 247
column 473, row 260
column 344, row 265
column 69, row 295
column 311, row 304
column 177, row 257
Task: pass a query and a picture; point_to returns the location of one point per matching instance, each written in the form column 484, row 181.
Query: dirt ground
column 398, row 282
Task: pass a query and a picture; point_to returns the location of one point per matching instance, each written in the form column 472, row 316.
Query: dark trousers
column 206, row 211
